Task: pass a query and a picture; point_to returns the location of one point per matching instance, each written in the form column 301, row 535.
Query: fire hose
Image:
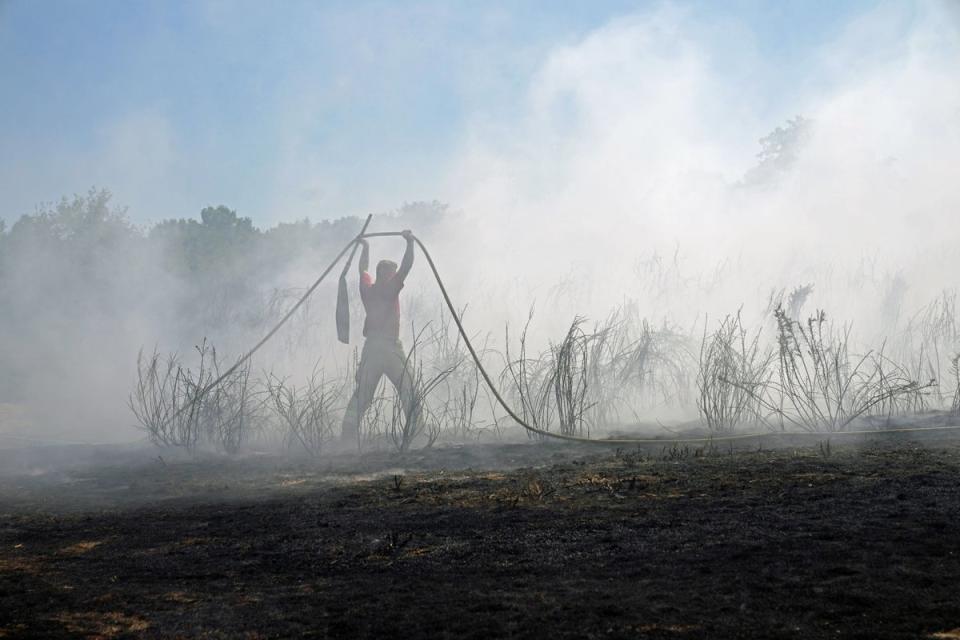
column 493, row 387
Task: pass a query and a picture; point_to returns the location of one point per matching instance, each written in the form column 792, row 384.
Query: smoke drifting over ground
column 626, row 176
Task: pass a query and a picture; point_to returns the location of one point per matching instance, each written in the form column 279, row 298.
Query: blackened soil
column 808, row 543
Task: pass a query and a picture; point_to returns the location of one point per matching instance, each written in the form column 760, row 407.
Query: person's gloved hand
column 407, row 235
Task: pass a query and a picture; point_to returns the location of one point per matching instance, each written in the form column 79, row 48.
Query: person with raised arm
column 383, row 353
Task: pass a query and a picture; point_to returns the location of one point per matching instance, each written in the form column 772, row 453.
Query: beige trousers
column 381, row 357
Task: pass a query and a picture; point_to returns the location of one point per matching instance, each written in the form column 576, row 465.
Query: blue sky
column 285, row 109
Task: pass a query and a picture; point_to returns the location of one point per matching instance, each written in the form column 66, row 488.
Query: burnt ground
column 531, row 540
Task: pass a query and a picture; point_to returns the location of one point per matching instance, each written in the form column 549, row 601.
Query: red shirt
column 381, row 301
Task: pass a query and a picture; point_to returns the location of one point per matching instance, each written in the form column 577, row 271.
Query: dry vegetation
column 803, row 375
column 173, row 405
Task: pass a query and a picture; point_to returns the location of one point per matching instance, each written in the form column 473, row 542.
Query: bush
column 733, row 376
column 176, row 407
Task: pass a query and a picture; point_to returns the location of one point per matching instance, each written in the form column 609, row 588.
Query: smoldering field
column 644, row 248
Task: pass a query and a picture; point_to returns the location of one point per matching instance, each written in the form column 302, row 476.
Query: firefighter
column 383, row 353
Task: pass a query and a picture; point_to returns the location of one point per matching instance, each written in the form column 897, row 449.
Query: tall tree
column 779, row 151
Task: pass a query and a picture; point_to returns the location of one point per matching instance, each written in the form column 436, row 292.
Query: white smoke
column 632, row 141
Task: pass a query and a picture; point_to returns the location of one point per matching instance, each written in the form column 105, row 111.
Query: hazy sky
column 287, row 109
